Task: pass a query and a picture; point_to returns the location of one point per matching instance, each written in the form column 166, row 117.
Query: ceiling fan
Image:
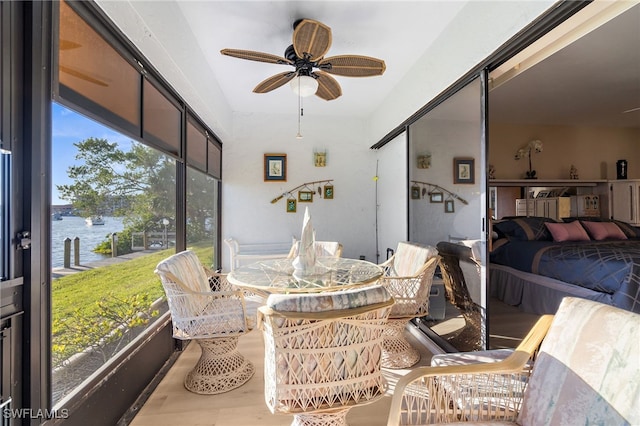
column 311, row 41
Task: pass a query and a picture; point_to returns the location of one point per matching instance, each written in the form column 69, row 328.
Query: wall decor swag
column 304, row 193
column 436, row 194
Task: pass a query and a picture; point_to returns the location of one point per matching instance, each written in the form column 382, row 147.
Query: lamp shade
column 304, row 85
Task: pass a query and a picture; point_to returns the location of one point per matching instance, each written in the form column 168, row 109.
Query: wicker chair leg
column 325, row 418
column 397, row 352
column 221, row 367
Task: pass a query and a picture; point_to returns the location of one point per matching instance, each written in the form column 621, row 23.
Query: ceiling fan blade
column 82, row 76
column 256, row 56
column 311, row 39
column 274, row 82
column 353, row 65
column 328, row 87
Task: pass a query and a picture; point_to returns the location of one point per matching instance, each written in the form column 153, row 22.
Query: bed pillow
column 604, row 231
column 629, row 230
column 571, row 231
column 584, row 219
column 525, row 228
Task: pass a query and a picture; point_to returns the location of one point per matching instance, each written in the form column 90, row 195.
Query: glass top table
column 328, row 274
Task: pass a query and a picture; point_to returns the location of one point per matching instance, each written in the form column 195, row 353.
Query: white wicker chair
column 408, row 277
column 214, row 319
column 323, row 249
column 468, row 389
column 323, row 353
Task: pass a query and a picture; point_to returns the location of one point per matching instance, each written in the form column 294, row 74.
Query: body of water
column 90, row 236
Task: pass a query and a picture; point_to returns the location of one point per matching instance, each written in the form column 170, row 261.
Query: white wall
column 392, row 195
column 248, row 215
column 478, row 30
column 445, row 140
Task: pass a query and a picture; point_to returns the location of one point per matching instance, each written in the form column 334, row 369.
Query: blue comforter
column 611, row 267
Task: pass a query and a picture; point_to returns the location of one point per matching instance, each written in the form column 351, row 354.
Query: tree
column 140, row 185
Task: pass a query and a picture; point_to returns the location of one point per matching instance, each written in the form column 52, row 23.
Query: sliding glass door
column 447, row 210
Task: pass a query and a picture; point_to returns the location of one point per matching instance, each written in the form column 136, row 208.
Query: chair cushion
column 410, row 257
column 588, row 368
column 330, row 301
column 187, row 268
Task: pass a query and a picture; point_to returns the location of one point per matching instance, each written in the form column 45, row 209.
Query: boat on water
column 94, row 220
column 56, row 216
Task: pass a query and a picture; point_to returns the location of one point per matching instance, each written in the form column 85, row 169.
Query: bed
column 535, row 262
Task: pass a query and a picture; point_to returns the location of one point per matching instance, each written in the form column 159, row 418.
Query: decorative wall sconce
column 424, row 161
column 304, row 194
column 320, row 159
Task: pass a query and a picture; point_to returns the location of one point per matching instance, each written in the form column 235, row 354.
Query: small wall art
column 449, row 206
column 424, row 161
column 275, row 167
column 328, row 192
column 320, row 159
column 291, row 205
column 305, row 196
column 464, row 170
column 415, row 192
column 436, row 197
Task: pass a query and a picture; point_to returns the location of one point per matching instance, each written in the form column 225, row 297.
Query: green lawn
column 88, row 304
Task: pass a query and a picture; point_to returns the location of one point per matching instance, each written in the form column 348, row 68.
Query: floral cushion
column 330, row 301
column 587, row 370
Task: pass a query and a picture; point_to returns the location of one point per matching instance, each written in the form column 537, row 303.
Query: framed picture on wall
column 436, row 197
column 275, row 167
column 305, row 196
column 291, row 205
column 464, row 170
column 448, row 206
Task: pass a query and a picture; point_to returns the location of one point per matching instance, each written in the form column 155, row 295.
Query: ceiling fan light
column 304, row 85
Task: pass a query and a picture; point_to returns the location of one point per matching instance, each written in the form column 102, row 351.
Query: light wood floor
column 171, row 404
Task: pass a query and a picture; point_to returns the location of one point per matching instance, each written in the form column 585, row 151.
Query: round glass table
column 328, row 274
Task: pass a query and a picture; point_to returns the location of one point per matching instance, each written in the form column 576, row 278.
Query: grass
column 124, row 280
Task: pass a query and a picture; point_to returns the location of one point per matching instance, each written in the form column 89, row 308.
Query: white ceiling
column 397, row 32
column 570, row 84
column 592, row 81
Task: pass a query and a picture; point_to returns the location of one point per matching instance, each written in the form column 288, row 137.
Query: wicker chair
column 585, row 371
column 202, row 309
column 323, row 249
column 323, row 353
column 408, row 277
column 459, row 269
column 431, row 395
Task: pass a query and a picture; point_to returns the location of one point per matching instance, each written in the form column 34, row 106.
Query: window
column 98, row 306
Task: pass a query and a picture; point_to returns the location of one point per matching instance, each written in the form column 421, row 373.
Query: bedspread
column 611, row 267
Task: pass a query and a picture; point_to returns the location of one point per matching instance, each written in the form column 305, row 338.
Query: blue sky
column 68, row 128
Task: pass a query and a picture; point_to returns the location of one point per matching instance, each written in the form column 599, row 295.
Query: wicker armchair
column 323, row 249
column 479, row 391
column 202, row 309
column 323, row 353
column 408, row 277
column 459, row 270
